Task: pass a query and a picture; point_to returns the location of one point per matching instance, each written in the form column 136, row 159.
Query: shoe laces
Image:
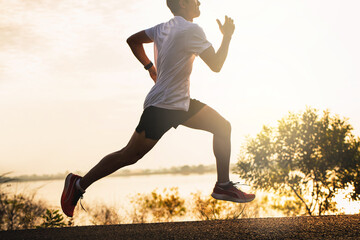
column 238, row 184
column 81, row 198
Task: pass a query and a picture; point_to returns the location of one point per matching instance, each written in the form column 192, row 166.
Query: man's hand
column 216, row 60
column 153, row 73
column 228, row 28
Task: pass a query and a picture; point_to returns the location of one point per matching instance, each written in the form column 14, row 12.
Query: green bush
column 19, row 211
column 158, row 207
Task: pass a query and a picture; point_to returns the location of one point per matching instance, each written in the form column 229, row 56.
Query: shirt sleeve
column 153, row 31
column 197, row 40
column 150, row 32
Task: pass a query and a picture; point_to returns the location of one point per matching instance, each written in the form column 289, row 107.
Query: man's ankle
column 78, row 186
column 222, row 184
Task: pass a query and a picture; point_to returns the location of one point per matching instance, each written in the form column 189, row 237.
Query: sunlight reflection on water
column 118, row 190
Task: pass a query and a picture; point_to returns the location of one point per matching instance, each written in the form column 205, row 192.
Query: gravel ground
column 325, row 227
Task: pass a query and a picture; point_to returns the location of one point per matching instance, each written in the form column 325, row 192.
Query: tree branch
column 306, row 206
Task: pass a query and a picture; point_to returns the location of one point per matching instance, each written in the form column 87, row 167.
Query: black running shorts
column 157, row 121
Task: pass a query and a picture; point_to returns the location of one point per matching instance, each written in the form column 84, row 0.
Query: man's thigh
column 139, row 144
column 207, row 119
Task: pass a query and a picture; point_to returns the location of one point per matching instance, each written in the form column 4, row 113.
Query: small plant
column 158, row 207
column 208, row 208
column 104, row 215
column 52, row 219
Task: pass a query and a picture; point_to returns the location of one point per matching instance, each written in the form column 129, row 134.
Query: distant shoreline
column 180, row 170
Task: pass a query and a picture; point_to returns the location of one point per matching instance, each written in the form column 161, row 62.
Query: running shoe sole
column 229, row 198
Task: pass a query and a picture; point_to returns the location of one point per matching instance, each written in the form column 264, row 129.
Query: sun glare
column 344, row 204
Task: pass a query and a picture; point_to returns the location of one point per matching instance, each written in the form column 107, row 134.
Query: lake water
column 119, row 190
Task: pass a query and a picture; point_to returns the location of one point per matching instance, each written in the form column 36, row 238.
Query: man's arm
column 136, row 42
column 216, row 60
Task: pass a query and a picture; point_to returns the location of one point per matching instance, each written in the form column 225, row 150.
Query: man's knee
column 133, row 156
column 139, row 155
column 223, row 129
column 227, row 127
column 125, row 156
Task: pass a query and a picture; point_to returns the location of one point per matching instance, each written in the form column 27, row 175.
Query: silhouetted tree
column 309, row 155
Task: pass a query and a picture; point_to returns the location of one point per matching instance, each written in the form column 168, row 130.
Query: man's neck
column 187, row 18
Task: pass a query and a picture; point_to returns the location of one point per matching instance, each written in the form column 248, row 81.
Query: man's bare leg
column 137, row 147
column 208, row 119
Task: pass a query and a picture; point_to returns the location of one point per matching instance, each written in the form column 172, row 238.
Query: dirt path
column 326, row 227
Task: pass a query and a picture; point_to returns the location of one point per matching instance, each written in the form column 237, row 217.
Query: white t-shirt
column 176, row 43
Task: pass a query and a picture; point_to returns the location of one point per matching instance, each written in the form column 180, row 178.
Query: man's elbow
column 215, row 65
column 133, row 40
column 216, row 68
column 211, row 59
column 130, row 40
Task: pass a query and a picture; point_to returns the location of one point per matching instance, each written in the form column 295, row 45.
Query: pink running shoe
column 231, row 193
column 70, row 195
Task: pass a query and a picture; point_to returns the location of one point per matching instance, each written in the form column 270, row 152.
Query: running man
column 168, row 104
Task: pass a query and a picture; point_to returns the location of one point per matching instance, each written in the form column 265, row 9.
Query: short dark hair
column 173, row 5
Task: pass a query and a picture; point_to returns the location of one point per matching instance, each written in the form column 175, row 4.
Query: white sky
column 71, row 90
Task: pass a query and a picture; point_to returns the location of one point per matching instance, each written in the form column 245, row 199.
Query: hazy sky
column 71, row 91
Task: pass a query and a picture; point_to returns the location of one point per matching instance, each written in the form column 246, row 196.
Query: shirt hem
column 168, row 107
